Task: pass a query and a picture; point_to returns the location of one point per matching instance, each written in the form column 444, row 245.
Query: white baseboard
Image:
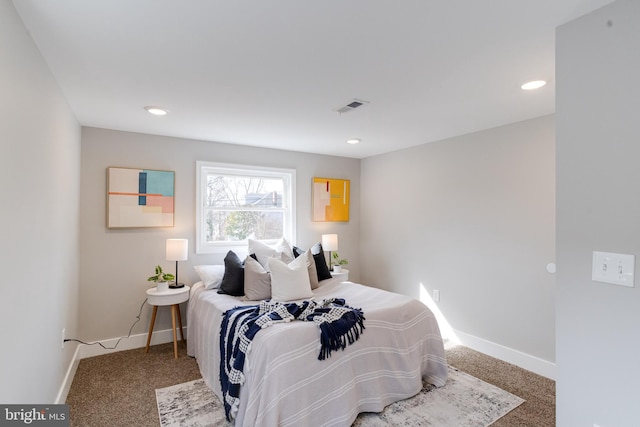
column 68, row 378
column 515, row 357
column 134, row 341
column 83, row 351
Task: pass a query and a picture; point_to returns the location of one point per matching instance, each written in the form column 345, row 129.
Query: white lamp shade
column 177, row 249
column 330, row 242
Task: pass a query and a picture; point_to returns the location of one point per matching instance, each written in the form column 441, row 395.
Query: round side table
column 173, row 298
column 343, row 276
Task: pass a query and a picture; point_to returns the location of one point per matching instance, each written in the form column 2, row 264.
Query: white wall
column 598, row 149
column 116, row 263
column 473, row 217
column 40, row 171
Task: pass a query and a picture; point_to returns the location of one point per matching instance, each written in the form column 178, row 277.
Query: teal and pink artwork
column 140, row 198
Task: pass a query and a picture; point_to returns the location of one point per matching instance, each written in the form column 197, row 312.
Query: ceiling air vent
column 350, row 106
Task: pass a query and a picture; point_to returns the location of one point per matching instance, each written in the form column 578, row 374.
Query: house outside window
column 239, row 202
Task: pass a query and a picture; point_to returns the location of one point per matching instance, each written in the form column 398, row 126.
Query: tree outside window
column 240, row 202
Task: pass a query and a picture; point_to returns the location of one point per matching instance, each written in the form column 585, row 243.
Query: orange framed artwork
column 331, row 199
column 140, row 198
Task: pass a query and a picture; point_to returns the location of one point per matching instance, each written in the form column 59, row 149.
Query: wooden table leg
column 180, row 323
column 153, row 320
column 173, row 326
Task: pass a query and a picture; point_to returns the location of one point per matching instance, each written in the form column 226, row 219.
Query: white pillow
column 210, row 275
column 281, row 250
column 257, row 281
column 289, row 282
column 285, row 249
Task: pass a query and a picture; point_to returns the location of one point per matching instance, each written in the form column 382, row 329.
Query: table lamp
column 330, row 243
column 177, row 250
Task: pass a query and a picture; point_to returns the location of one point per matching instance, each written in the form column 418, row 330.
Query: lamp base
column 174, row 285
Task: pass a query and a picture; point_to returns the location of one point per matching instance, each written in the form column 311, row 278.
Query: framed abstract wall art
column 330, row 199
column 140, row 198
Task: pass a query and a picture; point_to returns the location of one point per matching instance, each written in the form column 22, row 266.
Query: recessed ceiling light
column 534, row 84
column 156, row 111
column 353, row 141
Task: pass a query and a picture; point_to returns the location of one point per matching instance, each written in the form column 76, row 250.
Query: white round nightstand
column 343, row 276
column 172, row 297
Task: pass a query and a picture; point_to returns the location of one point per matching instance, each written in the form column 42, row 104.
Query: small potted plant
column 338, row 262
column 161, row 279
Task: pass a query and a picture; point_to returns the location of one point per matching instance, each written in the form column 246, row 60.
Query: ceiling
column 272, row 73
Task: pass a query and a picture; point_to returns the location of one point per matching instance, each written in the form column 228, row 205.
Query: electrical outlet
column 63, row 337
column 436, row 295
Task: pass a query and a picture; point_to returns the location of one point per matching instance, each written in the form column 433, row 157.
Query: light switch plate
column 617, row 269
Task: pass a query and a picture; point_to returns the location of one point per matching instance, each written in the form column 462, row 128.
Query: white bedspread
column 286, row 384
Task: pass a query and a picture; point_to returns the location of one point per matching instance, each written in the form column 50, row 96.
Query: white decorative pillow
column 281, row 250
column 285, row 249
column 289, row 282
column 210, row 275
column 257, row 281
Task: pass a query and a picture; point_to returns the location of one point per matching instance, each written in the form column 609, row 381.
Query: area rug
column 463, row 401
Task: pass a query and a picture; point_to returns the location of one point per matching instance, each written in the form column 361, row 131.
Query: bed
column 286, row 384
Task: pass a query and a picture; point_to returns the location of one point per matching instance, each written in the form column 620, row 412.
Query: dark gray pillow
column 233, row 279
column 297, row 251
column 321, row 264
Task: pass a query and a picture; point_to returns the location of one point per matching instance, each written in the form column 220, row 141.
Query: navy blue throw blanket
column 340, row 325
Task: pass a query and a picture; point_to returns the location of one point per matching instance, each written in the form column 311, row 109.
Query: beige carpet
column 118, row 389
column 539, row 393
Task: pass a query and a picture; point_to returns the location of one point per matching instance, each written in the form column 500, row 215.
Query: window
column 235, row 203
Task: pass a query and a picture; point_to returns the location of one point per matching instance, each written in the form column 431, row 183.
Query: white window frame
column 204, row 168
